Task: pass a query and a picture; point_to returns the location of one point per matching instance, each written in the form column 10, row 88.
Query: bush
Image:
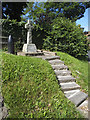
column 19, row 33
column 16, row 29
column 65, row 36
column 38, row 36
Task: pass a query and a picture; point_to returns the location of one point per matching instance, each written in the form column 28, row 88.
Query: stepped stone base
column 29, row 48
column 30, row 54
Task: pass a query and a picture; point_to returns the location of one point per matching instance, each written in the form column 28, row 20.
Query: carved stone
column 29, row 47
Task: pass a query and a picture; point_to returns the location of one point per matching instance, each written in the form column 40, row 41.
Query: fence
column 3, row 42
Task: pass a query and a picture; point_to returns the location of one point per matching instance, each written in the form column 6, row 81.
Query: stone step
column 1, row 103
column 59, row 67
column 78, row 97
column 64, row 79
column 84, row 108
column 62, row 72
column 5, row 112
column 70, row 92
column 1, row 116
column 51, row 57
column 56, row 62
column 69, row 86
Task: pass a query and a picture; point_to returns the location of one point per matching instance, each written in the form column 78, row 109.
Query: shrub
column 65, row 36
column 38, row 36
column 18, row 32
column 16, row 29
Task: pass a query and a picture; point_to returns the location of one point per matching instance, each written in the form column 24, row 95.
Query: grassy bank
column 31, row 90
column 89, row 80
column 79, row 69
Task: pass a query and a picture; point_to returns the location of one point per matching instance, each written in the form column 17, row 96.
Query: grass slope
column 31, row 90
column 89, row 80
column 79, row 69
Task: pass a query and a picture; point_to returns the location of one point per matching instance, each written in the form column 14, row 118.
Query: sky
column 85, row 21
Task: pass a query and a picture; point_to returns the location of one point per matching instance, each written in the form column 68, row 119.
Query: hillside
column 31, row 90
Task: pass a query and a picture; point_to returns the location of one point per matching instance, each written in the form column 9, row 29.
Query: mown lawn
column 79, row 69
column 31, row 90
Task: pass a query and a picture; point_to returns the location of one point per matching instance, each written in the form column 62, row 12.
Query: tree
column 43, row 13
column 66, row 9
column 13, row 9
column 16, row 30
column 65, row 36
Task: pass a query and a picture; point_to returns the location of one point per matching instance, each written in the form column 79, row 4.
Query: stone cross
column 29, row 33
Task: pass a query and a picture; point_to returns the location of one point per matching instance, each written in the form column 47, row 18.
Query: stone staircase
column 3, row 109
column 68, row 84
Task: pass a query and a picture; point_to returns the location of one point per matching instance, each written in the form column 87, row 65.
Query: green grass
column 79, row 69
column 31, row 90
column 88, row 80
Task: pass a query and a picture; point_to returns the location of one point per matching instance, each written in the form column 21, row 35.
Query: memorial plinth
column 29, row 48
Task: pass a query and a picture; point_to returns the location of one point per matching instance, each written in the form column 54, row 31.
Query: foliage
column 30, row 89
column 18, row 46
column 65, row 36
column 13, row 10
column 16, row 29
column 38, row 36
column 89, row 80
column 66, row 9
column 18, row 32
column 79, row 69
column 13, row 27
column 42, row 13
